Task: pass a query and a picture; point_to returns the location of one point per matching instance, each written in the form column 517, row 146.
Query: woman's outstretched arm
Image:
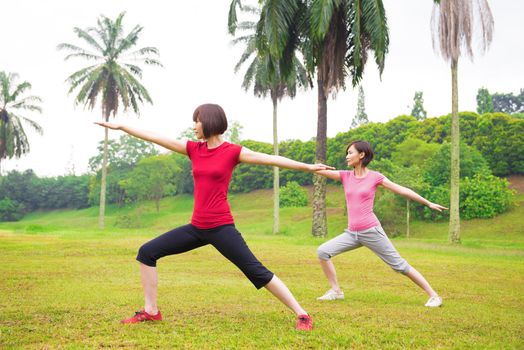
column 408, row 193
column 171, row 144
column 251, row 157
column 330, row 174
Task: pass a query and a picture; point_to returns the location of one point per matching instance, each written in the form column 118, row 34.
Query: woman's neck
column 360, row 170
column 214, row 141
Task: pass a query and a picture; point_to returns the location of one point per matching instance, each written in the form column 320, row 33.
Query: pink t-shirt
column 360, row 196
column 212, row 169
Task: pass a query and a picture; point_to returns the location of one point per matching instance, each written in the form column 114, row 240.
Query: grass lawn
column 66, row 284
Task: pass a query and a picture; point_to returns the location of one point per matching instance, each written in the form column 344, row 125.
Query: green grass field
column 66, row 284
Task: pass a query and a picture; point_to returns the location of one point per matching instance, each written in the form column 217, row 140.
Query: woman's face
column 353, row 157
column 198, row 129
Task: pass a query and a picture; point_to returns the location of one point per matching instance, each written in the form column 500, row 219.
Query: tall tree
column 418, row 110
column 484, row 101
column 13, row 139
column 335, row 37
column 114, row 77
column 452, row 28
column 264, row 74
column 508, row 103
column 361, row 117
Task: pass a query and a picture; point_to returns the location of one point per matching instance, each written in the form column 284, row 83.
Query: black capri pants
column 226, row 239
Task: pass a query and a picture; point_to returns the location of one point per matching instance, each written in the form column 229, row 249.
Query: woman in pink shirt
column 364, row 229
column 212, row 161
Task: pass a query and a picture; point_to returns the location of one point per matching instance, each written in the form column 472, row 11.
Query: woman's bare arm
column 171, row 144
column 251, row 157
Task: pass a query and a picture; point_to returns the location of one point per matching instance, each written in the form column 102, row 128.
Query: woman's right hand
column 112, row 126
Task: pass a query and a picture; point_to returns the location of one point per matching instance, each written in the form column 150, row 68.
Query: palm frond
column 73, row 48
column 129, row 41
column 241, row 39
column 375, row 25
column 20, row 89
column 26, row 104
column 145, row 51
column 232, row 16
column 82, row 34
column 278, row 17
column 247, row 25
column 152, row 62
column 137, row 87
column 84, row 55
column 453, row 25
column 249, row 75
column 320, row 17
column 34, row 125
column 248, row 52
column 136, row 70
column 79, row 76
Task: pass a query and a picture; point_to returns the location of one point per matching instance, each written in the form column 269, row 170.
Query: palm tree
column 452, row 29
column 13, row 139
column 334, row 38
column 264, row 75
column 113, row 77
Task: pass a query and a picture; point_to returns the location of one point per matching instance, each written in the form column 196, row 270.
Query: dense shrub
column 11, row 210
column 292, row 195
column 484, row 196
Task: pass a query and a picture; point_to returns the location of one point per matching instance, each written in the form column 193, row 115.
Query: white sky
column 198, row 58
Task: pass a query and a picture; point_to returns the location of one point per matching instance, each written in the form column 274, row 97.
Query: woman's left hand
column 437, row 207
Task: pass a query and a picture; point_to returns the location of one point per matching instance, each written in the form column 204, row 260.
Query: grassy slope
column 66, row 284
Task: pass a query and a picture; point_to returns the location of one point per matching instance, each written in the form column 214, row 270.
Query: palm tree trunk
column 407, row 218
column 276, row 175
column 319, row 228
column 101, row 215
column 454, row 216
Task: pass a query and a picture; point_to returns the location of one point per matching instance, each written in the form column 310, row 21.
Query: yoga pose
column 213, row 161
column 364, row 229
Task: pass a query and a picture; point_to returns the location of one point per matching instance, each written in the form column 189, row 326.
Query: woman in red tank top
column 213, row 161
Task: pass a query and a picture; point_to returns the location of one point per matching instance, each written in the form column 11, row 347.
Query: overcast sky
column 198, row 58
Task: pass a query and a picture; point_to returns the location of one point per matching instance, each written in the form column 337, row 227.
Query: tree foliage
column 13, row 138
column 418, row 110
column 484, row 101
column 151, row 179
column 292, row 195
column 361, row 117
column 508, row 103
column 114, row 77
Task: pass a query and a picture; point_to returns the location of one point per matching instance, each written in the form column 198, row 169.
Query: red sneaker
column 304, row 323
column 142, row 316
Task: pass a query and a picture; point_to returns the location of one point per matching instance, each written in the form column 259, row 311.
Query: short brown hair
column 365, row 147
column 213, row 119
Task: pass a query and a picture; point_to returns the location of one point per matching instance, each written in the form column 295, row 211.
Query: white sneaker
column 332, row 295
column 434, row 302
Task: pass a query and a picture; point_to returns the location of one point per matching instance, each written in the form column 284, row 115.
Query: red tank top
column 212, row 169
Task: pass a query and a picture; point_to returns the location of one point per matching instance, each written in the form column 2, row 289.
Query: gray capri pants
column 374, row 238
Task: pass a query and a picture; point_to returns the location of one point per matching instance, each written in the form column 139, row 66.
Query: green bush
column 484, row 196
column 11, row 210
column 438, row 167
column 292, row 195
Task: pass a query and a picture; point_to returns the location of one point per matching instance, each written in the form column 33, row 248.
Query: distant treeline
column 411, row 152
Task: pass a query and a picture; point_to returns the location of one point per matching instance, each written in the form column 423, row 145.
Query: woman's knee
column 146, row 255
column 322, row 253
column 403, row 267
